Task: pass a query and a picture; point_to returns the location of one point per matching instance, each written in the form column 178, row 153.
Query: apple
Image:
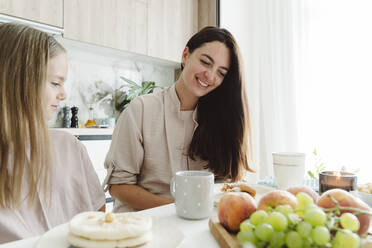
column 297, row 189
column 275, row 198
column 346, row 199
column 235, row 207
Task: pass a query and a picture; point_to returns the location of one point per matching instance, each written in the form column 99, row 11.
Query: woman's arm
column 137, row 197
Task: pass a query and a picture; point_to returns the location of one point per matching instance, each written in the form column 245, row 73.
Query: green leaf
column 314, row 152
column 311, row 174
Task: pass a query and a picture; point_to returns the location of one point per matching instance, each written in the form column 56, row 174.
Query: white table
column 196, row 232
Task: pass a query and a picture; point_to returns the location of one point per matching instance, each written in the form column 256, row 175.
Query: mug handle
column 172, row 186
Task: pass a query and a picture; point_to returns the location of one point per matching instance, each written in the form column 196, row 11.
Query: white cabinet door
column 44, row 11
column 171, row 23
column 119, row 24
column 97, row 150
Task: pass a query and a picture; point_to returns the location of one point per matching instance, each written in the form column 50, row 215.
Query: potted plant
column 124, row 97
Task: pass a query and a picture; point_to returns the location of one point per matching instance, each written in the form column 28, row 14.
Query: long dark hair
column 223, row 135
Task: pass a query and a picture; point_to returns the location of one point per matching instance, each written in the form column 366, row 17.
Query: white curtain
column 336, row 116
column 271, row 35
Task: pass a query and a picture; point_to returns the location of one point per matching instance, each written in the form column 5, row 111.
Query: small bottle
column 91, row 122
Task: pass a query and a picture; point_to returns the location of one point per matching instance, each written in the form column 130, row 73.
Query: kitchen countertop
column 89, row 133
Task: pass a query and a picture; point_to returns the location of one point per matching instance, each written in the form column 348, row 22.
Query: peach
column 233, row 208
column 275, row 198
column 346, row 199
column 297, row 189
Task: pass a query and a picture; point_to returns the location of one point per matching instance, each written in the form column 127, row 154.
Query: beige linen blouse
column 148, row 145
column 75, row 188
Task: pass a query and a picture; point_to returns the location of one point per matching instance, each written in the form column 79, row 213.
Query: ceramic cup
column 289, row 169
column 193, row 194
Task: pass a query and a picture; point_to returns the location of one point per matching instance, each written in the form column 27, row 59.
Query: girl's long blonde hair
column 24, row 136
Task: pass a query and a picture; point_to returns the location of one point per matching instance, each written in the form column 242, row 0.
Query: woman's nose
column 209, row 74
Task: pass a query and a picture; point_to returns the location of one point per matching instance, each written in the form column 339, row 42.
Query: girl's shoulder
column 61, row 136
column 60, row 139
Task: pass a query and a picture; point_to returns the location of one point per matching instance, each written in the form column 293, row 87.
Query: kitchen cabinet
column 171, row 23
column 119, row 24
column 207, row 13
column 44, row 11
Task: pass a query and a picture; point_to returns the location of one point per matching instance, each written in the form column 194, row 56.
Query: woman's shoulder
column 152, row 101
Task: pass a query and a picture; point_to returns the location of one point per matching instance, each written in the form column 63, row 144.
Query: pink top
column 75, row 188
column 187, row 117
column 149, row 144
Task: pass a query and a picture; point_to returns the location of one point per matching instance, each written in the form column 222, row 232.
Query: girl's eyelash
column 55, row 84
column 204, row 62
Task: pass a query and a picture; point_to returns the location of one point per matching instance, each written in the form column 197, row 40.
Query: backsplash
column 94, row 74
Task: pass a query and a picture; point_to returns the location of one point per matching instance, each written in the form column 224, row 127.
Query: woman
column 46, row 177
column 199, row 123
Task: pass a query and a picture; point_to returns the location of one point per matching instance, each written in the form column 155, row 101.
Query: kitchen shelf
column 89, row 133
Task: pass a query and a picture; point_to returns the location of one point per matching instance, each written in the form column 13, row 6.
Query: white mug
column 289, row 169
column 193, row 193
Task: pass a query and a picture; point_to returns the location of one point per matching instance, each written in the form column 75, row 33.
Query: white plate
column 165, row 234
column 260, row 190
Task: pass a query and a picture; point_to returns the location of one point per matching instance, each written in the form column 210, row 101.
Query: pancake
column 136, row 241
column 128, row 242
column 101, row 226
column 87, row 243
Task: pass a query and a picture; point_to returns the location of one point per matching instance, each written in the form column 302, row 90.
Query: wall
column 94, row 69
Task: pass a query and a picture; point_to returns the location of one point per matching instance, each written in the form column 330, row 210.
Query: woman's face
column 56, row 76
column 205, row 68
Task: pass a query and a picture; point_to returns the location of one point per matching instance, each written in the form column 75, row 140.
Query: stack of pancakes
column 97, row 229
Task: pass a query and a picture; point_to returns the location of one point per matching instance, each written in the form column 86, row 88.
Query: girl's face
column 205, row 68
column 56, row 76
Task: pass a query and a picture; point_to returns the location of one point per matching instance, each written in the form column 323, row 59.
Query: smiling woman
column 199, row 123
column 46, row 177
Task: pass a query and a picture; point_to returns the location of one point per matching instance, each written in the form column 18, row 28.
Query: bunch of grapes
column 306, row 226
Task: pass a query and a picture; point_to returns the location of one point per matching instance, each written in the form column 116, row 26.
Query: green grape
column 320, row 235
column 284, row 209
column 278, row 221
column 264, row 231
column 293, row 240
column 304, row 199
column 316, row 217
column 346, row 239
column 304, row 229
column 258, row 217
column 246, row 226
column 246, row 236
column 293, row 219
column 307, row 242
column 310, row 206
column 277, row 239
column 350, row 221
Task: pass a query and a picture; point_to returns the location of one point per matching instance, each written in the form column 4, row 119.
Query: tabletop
column 196, row 232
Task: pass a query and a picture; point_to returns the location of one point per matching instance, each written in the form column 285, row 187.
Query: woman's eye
column 205, row 62
column 222, row 74
column 56, row 84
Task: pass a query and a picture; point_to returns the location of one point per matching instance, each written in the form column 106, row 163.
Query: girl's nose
column 62, row 94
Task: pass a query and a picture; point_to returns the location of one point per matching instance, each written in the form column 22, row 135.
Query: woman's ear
column 185, row 55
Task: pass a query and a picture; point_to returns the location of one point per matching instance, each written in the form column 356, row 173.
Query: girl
column 46, row 177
